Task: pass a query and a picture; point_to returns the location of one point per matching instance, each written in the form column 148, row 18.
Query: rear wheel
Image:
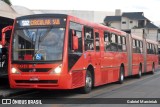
column 139, row 72
column 88, row 83
column 153, row 69
column 121, row 75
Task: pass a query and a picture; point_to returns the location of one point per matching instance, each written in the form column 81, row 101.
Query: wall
column 133, row 24
column 137, row 32
column 93, row 16
column 152, row 34
column 116, row 25
column 126, row 25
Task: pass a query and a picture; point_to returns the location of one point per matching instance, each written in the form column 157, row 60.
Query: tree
column 8, row 2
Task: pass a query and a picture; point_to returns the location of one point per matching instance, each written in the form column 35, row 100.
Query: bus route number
column 56, row 22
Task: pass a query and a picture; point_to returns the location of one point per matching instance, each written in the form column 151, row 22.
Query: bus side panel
column 124, row 60
column 156, row 62
column 79, row 70
column 150, row 60
column 110, row 68
column 137, row 60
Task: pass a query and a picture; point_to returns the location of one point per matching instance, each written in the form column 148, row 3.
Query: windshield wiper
column 39, row 40
column 46, row 34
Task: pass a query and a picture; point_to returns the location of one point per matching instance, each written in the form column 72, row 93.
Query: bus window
column 79, row 35
column 106, row 41
column 134, row 46
column 141, row 46
column 157, row 52
column 89, row 39
column 152, row 49
column 138, row 46
column 97, row 41
column 155, row 49
column 148, row 50
column 113, row 43
column 113, row 38
column 124, row 44
column 78, row 32
column 119, row 43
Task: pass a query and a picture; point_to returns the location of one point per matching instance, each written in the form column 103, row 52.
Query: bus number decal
column 25, row 23
column 23, row 66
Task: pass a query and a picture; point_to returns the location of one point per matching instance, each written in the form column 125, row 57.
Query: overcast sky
column 150, row 8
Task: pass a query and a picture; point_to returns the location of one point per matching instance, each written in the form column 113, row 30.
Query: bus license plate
column 34, row 79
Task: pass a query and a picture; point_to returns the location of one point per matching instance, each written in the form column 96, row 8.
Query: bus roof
column 41, row 15
column 96, row 25
column 137, row 37
column 151, row 41
column 76, row 19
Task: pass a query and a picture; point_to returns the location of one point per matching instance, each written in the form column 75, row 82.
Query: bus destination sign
column 41, row 22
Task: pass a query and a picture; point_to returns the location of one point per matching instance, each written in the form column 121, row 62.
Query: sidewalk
column 12, row 92
column 6, row 91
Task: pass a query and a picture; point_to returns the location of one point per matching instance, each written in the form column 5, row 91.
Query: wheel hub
column 88, row 81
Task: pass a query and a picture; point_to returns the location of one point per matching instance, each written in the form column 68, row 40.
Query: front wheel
column 88, row 83
column 121, row 75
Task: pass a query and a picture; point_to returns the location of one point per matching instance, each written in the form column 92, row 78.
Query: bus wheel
column 88, row 83
column 153, row 69
column 121, row 75
column 139, row 72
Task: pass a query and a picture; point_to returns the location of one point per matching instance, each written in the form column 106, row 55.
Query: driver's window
column 77, row 29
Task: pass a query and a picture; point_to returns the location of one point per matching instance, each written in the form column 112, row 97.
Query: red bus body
column 102, row 61
column 4, row 44
column 151, row 58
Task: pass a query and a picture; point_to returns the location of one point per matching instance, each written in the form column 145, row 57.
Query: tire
column 88, row 83
column 153, row 69
column 121, row 75
column 139, row 75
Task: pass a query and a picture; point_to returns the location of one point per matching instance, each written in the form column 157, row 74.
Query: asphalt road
column 146, row 87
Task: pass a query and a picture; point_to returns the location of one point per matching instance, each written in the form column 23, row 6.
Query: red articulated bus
column 57, row 51
column 135, row 55
column 151, row 54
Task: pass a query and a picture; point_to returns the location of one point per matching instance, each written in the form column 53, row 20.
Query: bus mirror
column 75, row 42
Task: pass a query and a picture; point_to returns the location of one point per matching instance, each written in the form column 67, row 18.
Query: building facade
column 135, row 23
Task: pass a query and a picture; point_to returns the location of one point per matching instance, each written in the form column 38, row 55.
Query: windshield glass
column 38, row 44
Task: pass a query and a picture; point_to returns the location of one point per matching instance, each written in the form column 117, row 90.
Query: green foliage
column 8, row 2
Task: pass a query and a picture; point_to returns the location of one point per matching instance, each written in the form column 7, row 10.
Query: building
column 9, row 13
column 133, row 22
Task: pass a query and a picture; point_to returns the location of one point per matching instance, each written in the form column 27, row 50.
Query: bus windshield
column 38, row 44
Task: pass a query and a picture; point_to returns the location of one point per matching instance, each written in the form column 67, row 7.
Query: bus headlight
column 57, row 70
column 14, row 71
